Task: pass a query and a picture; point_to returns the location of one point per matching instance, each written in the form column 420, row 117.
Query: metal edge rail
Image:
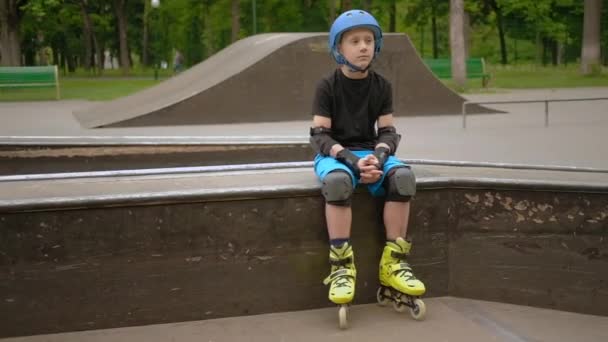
column 101, row 140
column 281, row 165
column 277, row 191
column 546, row 101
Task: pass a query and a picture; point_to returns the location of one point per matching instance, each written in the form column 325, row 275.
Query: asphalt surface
column 448, row 319
column 575, row 135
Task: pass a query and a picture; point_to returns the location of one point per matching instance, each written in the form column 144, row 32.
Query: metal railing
column 546, row 101
column 173, row 171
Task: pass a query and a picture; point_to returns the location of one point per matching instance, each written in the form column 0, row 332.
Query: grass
column 93, row 89
column 112, row 85
column 532, row 76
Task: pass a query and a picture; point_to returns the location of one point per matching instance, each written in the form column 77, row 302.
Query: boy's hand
column 369, row 172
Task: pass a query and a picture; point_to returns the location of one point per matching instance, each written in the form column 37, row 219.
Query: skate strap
column 341, row 262
column 402, row 269
column 398, row 255
column 340, row 273
column 403, row 266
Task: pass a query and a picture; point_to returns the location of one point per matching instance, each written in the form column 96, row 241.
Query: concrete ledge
column 42, row 157
column 246, row 184
column 101, row 253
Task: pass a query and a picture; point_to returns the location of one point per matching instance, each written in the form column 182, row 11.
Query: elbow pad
column 389, row 136
column 321, row 140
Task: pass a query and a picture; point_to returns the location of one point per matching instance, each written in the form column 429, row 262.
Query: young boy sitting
column 348, row 105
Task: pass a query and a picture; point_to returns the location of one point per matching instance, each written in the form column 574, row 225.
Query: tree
column 367, row 5
column 194, row 53
column 54, row 26
column 434, row 6
column 332, row 11
column 590, row 54
column 145, row 40
column 346, row 5
column 419, row 12
column 546, row 21
column 90, row 39
column 392, row 10
column 501, row 30
column 236, row 20
column 457, row 42
column 10, row 42
column 121, row 19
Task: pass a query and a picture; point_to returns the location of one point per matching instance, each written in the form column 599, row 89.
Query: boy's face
column 357, row 46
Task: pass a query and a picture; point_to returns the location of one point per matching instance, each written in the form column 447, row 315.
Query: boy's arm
column 388, row 139
column 323, row 143
column 320, row 137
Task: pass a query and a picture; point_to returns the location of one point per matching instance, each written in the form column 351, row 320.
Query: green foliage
column 199, row 28
column 283, row 18
column 219, row 30
column 551, row 18
column 97, row 89
column 193, row 48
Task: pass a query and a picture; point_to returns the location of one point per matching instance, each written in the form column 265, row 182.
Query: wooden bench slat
column 30, row 77
column 442, row 68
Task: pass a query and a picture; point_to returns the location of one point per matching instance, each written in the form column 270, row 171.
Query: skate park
column 509, row 220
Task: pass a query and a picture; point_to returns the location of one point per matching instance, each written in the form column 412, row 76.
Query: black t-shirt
column 353, row 105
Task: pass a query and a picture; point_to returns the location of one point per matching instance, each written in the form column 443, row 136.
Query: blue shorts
column 325, row 165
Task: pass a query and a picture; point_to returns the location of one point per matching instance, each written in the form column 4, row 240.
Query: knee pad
column 338, row 188
column 400, row 184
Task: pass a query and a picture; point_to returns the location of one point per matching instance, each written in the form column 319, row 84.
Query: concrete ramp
column 107, row 252
column 268, row 78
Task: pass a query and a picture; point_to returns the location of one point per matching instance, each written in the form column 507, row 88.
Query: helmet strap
column 355, row 68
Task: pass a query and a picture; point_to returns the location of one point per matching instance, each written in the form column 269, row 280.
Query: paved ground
column 448, row 319
column 73, row 192
column 576, row 130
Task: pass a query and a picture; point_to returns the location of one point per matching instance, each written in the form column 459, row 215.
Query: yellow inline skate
column 341, row 280
column 397, row 281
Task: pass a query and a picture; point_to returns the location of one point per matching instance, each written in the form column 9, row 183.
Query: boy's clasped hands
column 368, row 167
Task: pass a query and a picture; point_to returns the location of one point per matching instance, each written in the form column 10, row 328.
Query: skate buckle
column 403, row 266
column 341, row 262
column 398, row 255
column 342, row 272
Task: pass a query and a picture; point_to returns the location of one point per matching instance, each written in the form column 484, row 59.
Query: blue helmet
column 350, row 20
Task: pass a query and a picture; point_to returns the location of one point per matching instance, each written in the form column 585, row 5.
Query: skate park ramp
column 269, row 78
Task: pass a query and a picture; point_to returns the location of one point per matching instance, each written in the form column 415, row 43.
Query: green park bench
column 442, row 68
column 30, row 77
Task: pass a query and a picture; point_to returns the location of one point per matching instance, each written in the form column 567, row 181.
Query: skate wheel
column 419, row 310
column 381, row 297
column 399, row 306
column 343, row 316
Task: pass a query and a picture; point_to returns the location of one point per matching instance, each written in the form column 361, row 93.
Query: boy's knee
column 338, row 188
column 400, row 184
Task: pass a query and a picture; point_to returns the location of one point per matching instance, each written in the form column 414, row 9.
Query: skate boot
column 341, row 280
column 397, row 281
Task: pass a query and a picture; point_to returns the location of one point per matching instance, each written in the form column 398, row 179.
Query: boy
column 347, row 105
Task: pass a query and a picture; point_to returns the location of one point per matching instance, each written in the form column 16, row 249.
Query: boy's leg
column 399, row 186
column 339, row 220
column 337, row 189
column 396, row 218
